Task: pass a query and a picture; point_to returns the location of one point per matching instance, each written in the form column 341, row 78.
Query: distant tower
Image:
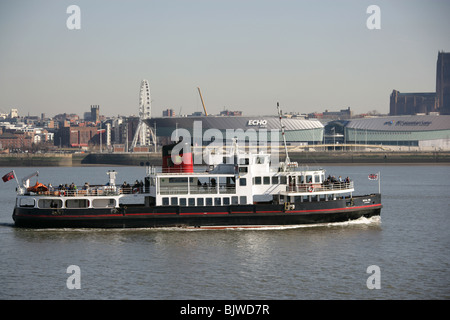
column 95, row 113
column 13, row 113
column 144, row 135
column 443, row 82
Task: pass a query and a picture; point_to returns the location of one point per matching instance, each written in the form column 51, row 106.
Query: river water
column 409, row 245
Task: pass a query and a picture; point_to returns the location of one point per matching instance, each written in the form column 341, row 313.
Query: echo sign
column 257, row 122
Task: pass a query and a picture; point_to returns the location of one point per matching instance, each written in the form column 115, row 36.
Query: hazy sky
column 244, row 55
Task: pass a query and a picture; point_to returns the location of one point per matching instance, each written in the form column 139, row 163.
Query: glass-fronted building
column 417, row 130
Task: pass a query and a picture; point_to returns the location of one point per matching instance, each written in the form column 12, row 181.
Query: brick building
column 412, row 103
column 77, row 136
column 15, row 140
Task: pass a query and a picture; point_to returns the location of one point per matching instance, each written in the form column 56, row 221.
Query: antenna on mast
column 282, row 133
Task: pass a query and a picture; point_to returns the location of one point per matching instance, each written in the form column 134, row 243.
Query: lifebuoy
column 311, row 189
column 286, row 206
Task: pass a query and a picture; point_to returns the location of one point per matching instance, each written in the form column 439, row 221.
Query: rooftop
column 402, row 123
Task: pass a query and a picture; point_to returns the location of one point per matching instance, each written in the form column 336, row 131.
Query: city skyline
column 245, row 55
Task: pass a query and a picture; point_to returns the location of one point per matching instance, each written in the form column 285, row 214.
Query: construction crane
column 203, row 103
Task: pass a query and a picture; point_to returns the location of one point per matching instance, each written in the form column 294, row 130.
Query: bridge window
column 103, row 203
column 26, row 202
column 243, row 169
column 50, row 203
column 244, row 161
column 77, row 203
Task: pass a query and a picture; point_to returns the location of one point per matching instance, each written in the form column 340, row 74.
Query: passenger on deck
column 126, row 187
column 137, row 187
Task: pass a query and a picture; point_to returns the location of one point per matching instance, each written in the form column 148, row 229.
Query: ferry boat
column 243, row 191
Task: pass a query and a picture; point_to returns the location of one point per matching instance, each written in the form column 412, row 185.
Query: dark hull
column 257, row 215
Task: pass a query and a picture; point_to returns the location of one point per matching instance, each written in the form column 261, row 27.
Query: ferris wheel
column 144, row 135
column 145, row 103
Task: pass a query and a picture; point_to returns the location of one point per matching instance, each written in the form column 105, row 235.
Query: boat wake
column 361, row 221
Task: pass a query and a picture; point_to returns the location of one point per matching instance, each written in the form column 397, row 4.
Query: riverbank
column 137, row 159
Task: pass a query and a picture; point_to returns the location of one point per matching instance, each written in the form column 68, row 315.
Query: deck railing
column 166, row 190
column 89, row 191
column 210, row 189
column 316, row 187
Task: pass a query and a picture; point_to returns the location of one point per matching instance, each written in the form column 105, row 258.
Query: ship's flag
column 8, row 176
column 373, row 176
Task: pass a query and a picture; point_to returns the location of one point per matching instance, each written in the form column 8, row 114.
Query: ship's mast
column 282, row 133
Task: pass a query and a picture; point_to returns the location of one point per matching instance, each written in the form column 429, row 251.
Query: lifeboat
column 38, row 187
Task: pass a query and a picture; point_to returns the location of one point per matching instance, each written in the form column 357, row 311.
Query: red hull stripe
column 192, row 213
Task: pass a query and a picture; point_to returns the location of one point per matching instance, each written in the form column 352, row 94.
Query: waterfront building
column 423, row 131
column 15, row 141
column 297, row 130
column 77, row 136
